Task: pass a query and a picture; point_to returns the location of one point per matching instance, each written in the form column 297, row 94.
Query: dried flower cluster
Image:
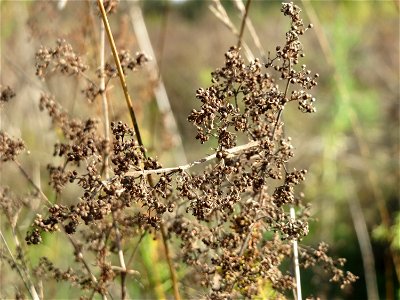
column 6, row 94
column 231, row 219
column 10, row 148
column 62, row 59
column 127, row 63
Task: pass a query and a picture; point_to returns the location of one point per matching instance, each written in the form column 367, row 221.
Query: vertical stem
column 121, row 260
column 170, row 264
column 120, row 71
column 364, row 242
column 102, row 86
column 107, row 128
column 160, row 92
column 296, row 260
column 137, row 132
column 243, row 23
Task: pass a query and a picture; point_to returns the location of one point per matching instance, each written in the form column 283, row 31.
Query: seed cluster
column 61, row 59
column 231, row 218
column 6, row 94
column 127, row 63
column 10, row 148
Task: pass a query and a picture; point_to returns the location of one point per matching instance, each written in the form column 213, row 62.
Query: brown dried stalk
column 137, row 132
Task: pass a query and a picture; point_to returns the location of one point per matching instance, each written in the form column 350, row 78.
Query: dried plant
column 230, row 222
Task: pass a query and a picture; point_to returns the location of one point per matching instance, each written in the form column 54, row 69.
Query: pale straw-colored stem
column 219, row 11
column 163, row 103
column 103, row 26
column 229, row 152
column 296, row 259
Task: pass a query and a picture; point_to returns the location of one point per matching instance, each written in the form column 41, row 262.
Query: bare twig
column 135, row 249
column 34, row 185
column 296, row 259
column 80, row 256
column 243, row 25
column 170, row 263
column 120, row 71
column 107, row 134
column 231, row 151
column 106, row 123
column 137, row 131
column 121, row 259
column 241, row 7
column 29, row 285
column 219, row 11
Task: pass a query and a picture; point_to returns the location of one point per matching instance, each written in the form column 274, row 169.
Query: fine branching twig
column 242, row 9
column 29, row 285
column 219, row 11
column 34, row 185
column 229, row 152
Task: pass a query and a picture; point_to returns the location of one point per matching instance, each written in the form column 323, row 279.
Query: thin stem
column 159, row 90
column 240, row 6
column 81, row 258
column 170, row 263
column 296, row 259
column 136, row 128
column 219, row 11
column 239, row 43
column 120, row 72
column 103, row 26
column 34, row 185
column 135, row 249
column 106, row 123
column 281, row 110
column 231, row 151
column 121, row 259
column 29, row 286
column 364, row 241
column 21, row 256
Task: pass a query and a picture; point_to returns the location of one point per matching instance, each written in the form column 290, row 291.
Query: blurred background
column 350, row 146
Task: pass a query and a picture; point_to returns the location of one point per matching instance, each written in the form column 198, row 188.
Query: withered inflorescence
column 231, row 219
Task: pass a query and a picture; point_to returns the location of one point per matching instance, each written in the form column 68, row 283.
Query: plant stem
column 35, row 186
column 137, row 132
column 364, row 241
column 219, row 11
column 106, row 123
column 29, row 286
column 296, row 260
column 120, row 71
column 107, row 129
column 246, row 11
column 160, row 92
column 230, row 151
column 121, row 259
column 170, row 263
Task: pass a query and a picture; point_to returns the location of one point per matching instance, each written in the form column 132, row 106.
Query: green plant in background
column 354, row 127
